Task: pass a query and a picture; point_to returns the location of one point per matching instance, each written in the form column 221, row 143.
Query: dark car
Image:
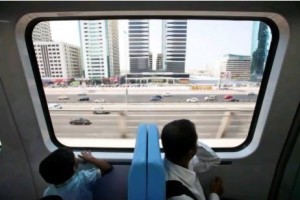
column 234, row 100
column 80, row 121
column 154, row 98
column 158, row 96
column 84, row 99
column 101, row 112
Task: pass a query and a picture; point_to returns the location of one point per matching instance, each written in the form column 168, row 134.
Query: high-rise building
column 58, row 59
column 174, row 34
column 237, row 67
column 100, row 48
column 159, row 62
column 261, row 36
column 150, row 61
column 139, row 46
column 42, row 32
column 113, row 48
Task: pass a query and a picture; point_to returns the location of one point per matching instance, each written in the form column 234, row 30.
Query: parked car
column 84, row 99
column 234, row 100
column 192, row 100
column 99, row 100
column 103, row 112
column 80, row 121
column 228, row 97
column 63, row 98
column 210, row 98
column 81, row 94
column 155, row 98
column 54, row 106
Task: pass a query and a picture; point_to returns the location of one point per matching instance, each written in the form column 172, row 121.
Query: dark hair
column 178, row 138
column 58, row 167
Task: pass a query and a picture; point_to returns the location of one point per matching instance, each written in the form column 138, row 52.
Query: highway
column 207, row 122
column 145, row 98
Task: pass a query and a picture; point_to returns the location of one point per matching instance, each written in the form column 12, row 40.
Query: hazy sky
column 207, row 41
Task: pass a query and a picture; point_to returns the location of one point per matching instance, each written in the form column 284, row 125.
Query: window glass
column 151, row 71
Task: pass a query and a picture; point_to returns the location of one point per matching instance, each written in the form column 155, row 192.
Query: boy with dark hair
column 59, row 169
column 179, row 140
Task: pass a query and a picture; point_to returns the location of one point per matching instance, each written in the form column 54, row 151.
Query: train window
column 115, row 74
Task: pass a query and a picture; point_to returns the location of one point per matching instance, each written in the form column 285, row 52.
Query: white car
column 99, row 100
column 210, row 98
column 54, row 106
column 192, row 100
column 63, row 98
column 167, row 94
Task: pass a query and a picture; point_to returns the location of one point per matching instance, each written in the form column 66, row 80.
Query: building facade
column 159, row 62
column 138, row 36
column 150, row 61
column 93, row 38
column 100, row 48
column 42, row 32
column 236, row 67
column 58, row 59
column 261, row 38
column 174, row 36
column 113, row 48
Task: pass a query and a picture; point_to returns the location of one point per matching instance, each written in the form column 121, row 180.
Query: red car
column 228, row 97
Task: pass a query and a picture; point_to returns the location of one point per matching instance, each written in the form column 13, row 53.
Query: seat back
column 156, row 182
column 137, row 189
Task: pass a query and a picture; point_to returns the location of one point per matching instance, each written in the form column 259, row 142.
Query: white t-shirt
column 188, row 178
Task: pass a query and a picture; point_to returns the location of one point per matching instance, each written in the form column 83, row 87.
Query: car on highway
column 210, row 98
column 167, row 94
column 155, row 98
column 251, row 94
column 54, row 106
column 192, row 100
column 84, row 99
column 80, row 121
column 102, row 112
column 228, row 97
column 158, row 96
column 234, row 100
column 63, row 98
column 99, row 100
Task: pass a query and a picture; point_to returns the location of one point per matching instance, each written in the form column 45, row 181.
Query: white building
column 42, row 32
column 139, row 46
column 58, row 59
column 174, row 35
column 236, row 67
column 100, row 48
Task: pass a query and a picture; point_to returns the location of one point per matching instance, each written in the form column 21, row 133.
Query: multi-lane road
column 145, row 98
column 207, row 122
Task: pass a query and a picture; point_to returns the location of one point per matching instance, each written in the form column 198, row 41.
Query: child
column 59, row 169
column 179, row 140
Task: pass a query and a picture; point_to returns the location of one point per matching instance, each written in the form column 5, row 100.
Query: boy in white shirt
column 179, row 140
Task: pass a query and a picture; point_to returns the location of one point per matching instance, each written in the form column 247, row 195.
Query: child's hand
column 86, row 155
column 217, row 186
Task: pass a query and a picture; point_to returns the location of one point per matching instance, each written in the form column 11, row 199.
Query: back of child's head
column 178, row 138
column 58, row 167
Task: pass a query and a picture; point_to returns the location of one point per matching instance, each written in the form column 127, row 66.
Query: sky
column 207, row 40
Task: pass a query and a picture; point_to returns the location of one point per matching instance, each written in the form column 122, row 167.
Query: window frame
column 204, row 16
